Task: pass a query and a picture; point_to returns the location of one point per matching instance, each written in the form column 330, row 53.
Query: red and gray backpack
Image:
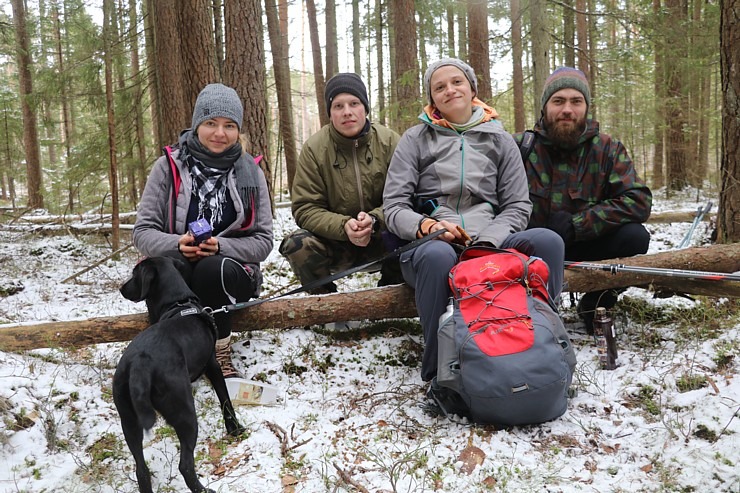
column 502, row 346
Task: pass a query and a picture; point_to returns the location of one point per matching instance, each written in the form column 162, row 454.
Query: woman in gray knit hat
column 208, row 177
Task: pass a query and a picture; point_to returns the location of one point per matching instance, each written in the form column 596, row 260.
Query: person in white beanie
column 208, row 176
column 458, row 168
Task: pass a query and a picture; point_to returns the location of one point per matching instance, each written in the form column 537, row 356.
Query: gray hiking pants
column 427, row 268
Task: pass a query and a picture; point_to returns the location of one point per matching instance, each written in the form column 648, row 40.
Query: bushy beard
column 562, row 135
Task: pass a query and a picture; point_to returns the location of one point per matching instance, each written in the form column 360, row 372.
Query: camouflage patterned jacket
column 597, row 183
column 337, row 177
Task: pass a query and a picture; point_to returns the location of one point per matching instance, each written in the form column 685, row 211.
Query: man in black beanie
column 337, row 191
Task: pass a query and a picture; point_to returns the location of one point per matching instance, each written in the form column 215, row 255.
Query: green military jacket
column 337, row 177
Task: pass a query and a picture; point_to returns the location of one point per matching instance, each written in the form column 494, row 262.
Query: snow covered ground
column 349, row 415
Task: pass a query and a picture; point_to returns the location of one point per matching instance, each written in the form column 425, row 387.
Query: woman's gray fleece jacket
column 247, row 245
column 476, row 177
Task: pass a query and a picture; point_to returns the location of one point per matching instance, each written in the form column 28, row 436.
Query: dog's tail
column 140, row 388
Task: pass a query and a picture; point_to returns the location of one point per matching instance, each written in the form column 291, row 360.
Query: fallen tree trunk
column 370, row 304
column 382, row 303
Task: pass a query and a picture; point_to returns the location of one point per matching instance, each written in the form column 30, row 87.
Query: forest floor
column 349, row 416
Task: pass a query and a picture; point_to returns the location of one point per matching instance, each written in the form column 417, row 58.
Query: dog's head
column 152, row 272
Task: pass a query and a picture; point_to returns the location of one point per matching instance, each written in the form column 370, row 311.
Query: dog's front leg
column 214, row 374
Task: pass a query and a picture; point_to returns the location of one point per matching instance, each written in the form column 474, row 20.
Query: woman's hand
column 208, row 248
column 453, row 234
column 195, row 252
column 186, row 248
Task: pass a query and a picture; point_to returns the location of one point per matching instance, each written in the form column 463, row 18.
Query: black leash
column 320, row 282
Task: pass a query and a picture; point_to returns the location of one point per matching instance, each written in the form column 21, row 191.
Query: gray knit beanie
column 464, row 67
column 346, row 83
column 566, row 78
column 217, row 100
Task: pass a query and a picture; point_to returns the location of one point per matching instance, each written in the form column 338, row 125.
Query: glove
column 562, row 223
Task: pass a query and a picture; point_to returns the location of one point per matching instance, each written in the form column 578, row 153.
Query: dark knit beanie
column 217, row 100
column 346, row 83
column 566, row 77
column 464, row 67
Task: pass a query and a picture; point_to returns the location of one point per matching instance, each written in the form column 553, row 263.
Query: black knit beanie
column 346, row 83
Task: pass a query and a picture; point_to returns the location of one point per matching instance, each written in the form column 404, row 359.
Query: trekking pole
column 654, row 271
column 697, row 219
column 320, row 282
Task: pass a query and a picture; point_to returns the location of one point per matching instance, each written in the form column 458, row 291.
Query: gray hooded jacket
column 251, row 244
column 476, row 177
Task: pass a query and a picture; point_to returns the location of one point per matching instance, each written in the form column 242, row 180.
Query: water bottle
column 606, row 340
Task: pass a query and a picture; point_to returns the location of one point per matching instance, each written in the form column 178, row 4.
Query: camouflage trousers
column 312, row 258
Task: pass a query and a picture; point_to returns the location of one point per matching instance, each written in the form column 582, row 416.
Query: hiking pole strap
column 320, row 282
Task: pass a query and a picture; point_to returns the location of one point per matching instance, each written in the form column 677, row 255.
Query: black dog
column 157, row 368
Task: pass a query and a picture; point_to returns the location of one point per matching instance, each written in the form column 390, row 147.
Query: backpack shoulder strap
column 527, row 144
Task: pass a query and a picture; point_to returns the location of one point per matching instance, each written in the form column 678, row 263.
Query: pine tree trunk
column 282, row 85
column 356, row 36
column 138, row 94
column 198, row 49
column 155, row 109
column 478, row 46
column 318, row 70
column 381, row 116
column 517, row 72
column 64, row 100
column 728, row 224
column 677, row 171
column 332, row 50
column 407, row 68
column 569, row 33
column 244, row 70
column 108, row 42
column 175, row 107
column 660, row 116
column 540, row 50
column 462, row 33
column 30, row 131
column 450, row 16
column 582, row 35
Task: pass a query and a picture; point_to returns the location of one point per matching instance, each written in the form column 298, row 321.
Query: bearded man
column 583, row 185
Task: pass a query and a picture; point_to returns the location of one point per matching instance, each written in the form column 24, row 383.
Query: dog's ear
column 142, row 279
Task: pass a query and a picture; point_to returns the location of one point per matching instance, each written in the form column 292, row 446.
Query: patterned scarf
column 210, row 175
